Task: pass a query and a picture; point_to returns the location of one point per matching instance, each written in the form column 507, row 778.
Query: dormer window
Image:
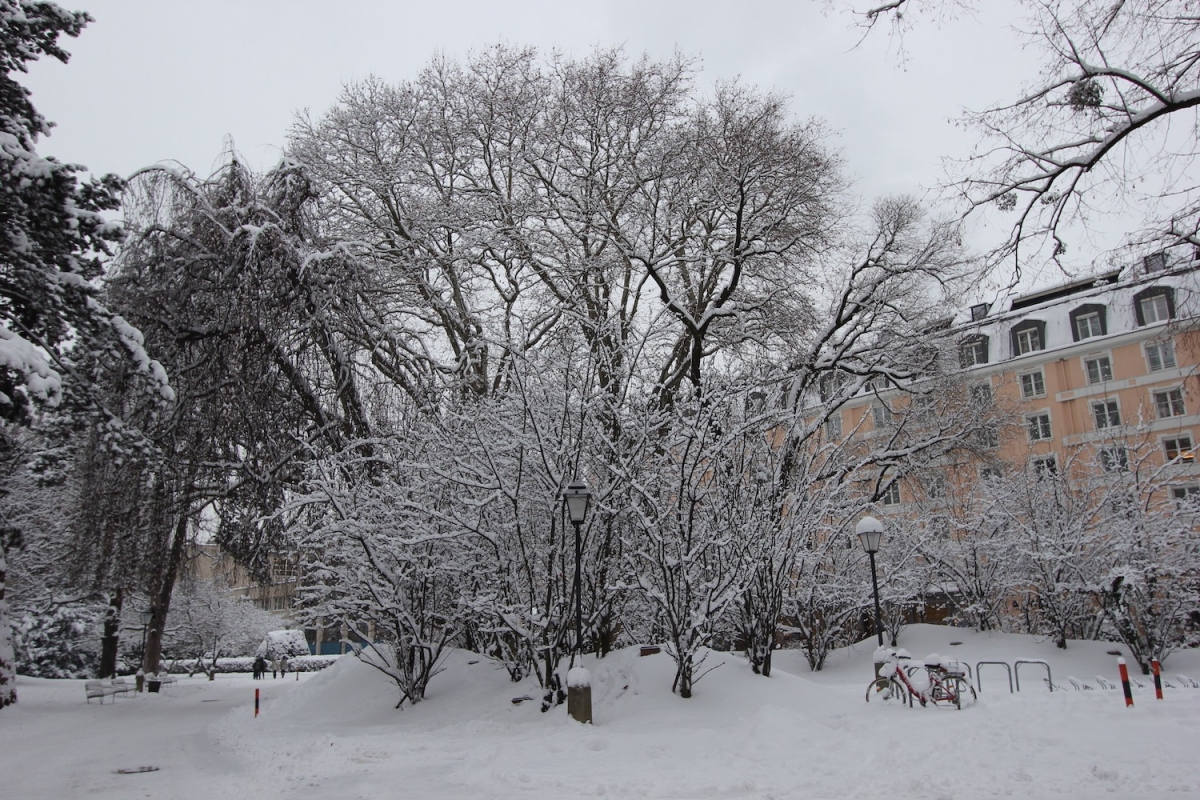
column 1156, row 304
column 1088, row 321
column 1155, row 262
column 973, row 350
column 1028, row 336
column 830, row 385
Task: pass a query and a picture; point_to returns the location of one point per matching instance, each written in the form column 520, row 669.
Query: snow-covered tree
column 236, row 293
column 1109, row 123
column 382, row 561
column 54, row 233
column 208, row 621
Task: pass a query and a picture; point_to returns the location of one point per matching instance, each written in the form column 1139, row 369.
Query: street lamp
column 145, row 616
column 576, row 497
column 870, row 531
column 579, row 681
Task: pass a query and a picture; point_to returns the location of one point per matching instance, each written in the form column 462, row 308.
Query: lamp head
column 870, row 531
column 576, row 497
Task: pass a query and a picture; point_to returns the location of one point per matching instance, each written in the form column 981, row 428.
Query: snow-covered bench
column 106, row 688
column 164, row 681
column 100, row 689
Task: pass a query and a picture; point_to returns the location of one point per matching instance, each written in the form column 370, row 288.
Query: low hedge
column 246, row 664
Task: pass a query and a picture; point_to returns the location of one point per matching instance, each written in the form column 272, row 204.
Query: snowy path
column 53, row 745
column 794, row 737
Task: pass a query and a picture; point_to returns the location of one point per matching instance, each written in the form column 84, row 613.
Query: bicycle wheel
column 941, row 690
column 962, row 687
column 887, row 690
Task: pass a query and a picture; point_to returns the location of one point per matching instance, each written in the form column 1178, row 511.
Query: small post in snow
column 579, row 694
column 256, row 703
column 1156, row 668
column 1125, row 682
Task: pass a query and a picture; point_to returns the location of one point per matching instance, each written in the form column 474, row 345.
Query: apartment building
column 206, row 562
column 1092, row 372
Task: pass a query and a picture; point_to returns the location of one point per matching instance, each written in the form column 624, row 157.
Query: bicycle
column 947, row 681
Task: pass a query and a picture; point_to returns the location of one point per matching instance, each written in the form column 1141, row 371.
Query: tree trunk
column 160, row 602
column 112, row 635
column 8, row 669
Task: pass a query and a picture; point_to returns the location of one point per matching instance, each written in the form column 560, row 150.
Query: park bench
column 100, row 689
column 164, row 681
column 106, row 688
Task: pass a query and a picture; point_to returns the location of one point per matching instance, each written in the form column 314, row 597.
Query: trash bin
column 153, row 684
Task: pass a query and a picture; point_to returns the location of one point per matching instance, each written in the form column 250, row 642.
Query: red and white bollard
column 1156, row 668
column 1125, row 681
column 256, row 702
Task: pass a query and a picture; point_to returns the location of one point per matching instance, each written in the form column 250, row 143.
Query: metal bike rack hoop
column 1017, row 668
column 1007, row 668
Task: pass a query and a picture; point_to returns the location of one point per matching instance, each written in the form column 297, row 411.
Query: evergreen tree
column 52, row 236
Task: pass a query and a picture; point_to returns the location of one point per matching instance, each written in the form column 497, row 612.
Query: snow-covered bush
column 246, row 664
column 277, row 644
column 63, row 643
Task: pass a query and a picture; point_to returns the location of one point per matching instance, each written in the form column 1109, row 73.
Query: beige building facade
column 1093, row 374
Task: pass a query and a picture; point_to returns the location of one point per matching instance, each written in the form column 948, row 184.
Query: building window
column 989, row 473
column 1169, row 403
column 1044, row 467
column 882, row 416
column 1088, row 321
column 1179, row 448
column 1185, row 496
column 1033, row 384
column 1155, row 262
column 981, row 395
column 986, row 436
column 830, row 385
column 1098, row 369
column 891, row 495
column 833, row 426
column 1156, row 304
column 1114, row 459
column 1160, row 355
column 973, row 350
column 935, row 486
column 1039, row 426
column 1106, row 413
column 1027, row 338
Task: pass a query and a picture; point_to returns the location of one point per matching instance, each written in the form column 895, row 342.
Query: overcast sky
column 152, row 80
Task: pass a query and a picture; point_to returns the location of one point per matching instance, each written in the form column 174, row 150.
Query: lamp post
column 579, row 683
column 870, row 531
column 145, row 616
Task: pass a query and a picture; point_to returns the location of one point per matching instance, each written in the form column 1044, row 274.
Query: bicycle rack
column 1017, row 668
column 1007, row 668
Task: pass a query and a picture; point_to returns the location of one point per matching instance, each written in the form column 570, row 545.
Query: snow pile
column 794, row 735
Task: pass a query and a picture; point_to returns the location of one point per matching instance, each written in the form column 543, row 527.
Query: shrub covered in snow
column 63, row 643
column 246, row 664
column 277, row 644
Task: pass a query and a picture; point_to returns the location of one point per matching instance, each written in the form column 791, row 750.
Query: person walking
column 283, row 665
column 274, row 668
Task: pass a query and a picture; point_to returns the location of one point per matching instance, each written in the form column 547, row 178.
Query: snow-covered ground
column 795, row 735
